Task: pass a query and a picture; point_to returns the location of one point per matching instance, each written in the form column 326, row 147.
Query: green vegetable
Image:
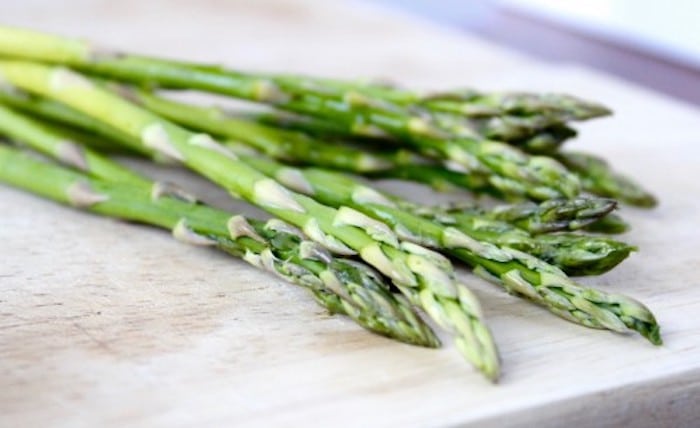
column 425, row 277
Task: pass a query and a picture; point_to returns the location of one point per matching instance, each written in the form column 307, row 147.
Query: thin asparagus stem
column 424, row 277
column 57, row 112
column 300, row 148
column 582, row 255
column 528, row 111
column 62, row 147
column 553, row 215
column 575, row 254
column 475, row 103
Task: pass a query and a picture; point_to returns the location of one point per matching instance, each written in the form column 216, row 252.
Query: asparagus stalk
column 474, row 103
column 425, row 277
column 599, row 178
column 581, row 255
column 542, row 140
column 508, row 169
column 468, row 102
column 296, row 147
column 575, row 254
column 518, row 272
column 591, row 214
column 553, row 215
column 63, row 148
column 59, row 113
column 341, row 286
column 516, row 114
column 549, row 216
column 511, row 171
column 596, row 175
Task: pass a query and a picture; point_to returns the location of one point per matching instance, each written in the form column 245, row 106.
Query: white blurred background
column 650, row 42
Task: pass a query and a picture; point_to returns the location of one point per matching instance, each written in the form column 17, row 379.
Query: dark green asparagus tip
column 654, row 335
column 652, row 331
column 582, row 255
column 578, row 212
column 610, row 224
column 636, row 316
column 583, row 109
column 612, row 255
column 643, row 200
column 557, row 214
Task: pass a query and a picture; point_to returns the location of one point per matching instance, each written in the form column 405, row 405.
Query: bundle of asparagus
column 362, row 252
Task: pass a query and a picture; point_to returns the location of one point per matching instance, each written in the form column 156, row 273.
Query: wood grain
column 104, row 323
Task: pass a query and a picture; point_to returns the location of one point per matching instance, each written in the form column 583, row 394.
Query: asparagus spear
column 596, row 175
column 516, row 271
column 280, row 144
column 545, row 138
column 575, row 254
column 522, row 111
column 581, row 255
column 469, row 102
column 57, row 112
column 475, row 103
column 549, row 216
column 342, row 286
column 542, row 140
column 547, row 141
column 61, row 147
column 515, row 174
column 507, row 168
column 297, row 147
column 425, row 277
column 599, row 178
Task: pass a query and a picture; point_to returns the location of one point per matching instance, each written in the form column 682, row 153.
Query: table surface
column 104, row 323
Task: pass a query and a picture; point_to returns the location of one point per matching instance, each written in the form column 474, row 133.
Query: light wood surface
column 109, row 324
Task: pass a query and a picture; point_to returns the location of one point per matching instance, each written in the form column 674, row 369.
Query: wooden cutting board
column 109, row 324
